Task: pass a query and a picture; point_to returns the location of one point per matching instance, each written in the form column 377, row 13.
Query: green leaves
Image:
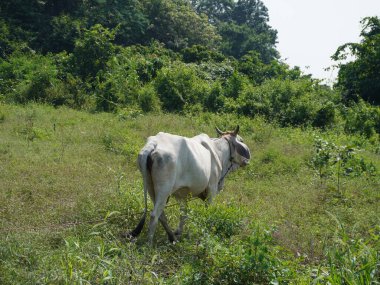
column 360, row 77
column 329, row 159
column 92, row 51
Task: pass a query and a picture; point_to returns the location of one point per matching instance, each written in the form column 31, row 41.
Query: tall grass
column 70, row 187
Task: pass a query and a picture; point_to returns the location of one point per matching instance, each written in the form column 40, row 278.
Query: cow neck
column 225, row 156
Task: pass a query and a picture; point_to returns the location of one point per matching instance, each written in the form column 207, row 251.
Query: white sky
column 310, row 31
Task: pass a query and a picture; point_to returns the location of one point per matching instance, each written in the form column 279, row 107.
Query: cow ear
column 219, row 132
column 236, row 131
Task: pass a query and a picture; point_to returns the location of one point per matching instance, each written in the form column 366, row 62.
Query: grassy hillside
column 69, row 187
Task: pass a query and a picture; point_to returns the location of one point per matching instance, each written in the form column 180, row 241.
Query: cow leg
column 167, row 228
column 212, row 191
column 183, row 217
column 161, row 198
column 159, row 206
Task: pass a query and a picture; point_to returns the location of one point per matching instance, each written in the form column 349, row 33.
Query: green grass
column 69, row 187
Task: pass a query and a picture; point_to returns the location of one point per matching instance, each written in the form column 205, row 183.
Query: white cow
column 185, row 167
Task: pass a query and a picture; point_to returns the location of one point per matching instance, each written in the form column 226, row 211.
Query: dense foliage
column 305, row 211
column 360, row 78
column 178, row 56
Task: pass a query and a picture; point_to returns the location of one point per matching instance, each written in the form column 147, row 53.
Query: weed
column 351, row 260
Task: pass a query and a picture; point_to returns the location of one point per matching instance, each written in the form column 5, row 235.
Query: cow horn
column 236, row 131
column 219, row 131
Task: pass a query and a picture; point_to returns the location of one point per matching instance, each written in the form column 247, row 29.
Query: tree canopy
column 360, row 78
column 235, row 28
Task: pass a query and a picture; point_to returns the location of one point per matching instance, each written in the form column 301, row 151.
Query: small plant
column 250, row 260
column 223, row 221
column 330, row 159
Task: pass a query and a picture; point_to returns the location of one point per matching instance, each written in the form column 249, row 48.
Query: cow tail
column 143, row 157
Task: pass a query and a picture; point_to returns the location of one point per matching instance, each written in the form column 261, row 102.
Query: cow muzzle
column 244, row 162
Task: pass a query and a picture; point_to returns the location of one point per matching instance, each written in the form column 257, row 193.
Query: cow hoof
column 128, row 237
column 178, row 236
column 173, row 240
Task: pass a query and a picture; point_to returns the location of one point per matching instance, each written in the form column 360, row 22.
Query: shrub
column 300, row 110
column 117, row 85
column 147, row 60
column 92, row 51
column 30, row 77
column 223, row 221
column 325, row 116
column 289, row 102
column 214, row 102
column 254, row 102
column 331, row 159
column 148, row 99
column 179, row 85
column 106, row 98
column 6, row 44
column 234, row 85
column 251, row 260
column 363, row 118
column 278, row 100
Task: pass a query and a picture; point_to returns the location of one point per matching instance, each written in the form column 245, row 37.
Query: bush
column 223, row 221
column 6, row 45
column 234, row 85
column 254, row 102
column 148, row 60
column 289, row 102
column 118, row 84
column 179, row 85
column 214, row 102
column 363, row 118
column 251, row 260
column 325, row 117
column 148, row 99
column 30, row 77
column 278, row 100
column 92, row 52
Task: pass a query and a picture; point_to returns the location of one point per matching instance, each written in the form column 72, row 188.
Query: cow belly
column 192, row 184
column 184, row 193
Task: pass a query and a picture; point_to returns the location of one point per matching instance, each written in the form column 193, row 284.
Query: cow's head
column 239, row 151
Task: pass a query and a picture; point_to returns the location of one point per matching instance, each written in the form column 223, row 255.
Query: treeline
column 178, row 56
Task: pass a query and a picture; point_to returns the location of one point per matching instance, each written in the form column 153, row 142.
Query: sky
column 310, row 31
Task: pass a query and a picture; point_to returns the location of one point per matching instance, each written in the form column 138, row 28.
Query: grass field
column 69, row 187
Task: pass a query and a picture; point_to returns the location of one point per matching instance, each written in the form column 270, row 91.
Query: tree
column 361, row 77
column 216, row 10
column 257, row 71
column 252, row 13
column 5, row 42
column 177, row 25
column 243, row 26
column 238, row 40
column 92, row 52
column 127, row 15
